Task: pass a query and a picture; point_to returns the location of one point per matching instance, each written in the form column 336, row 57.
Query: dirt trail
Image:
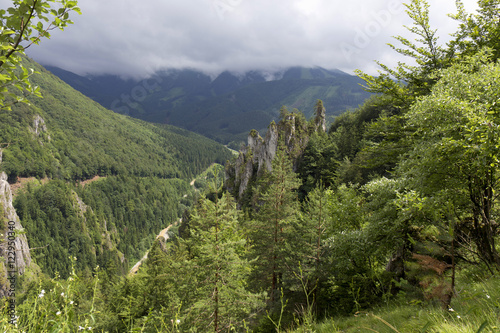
column 23, row 182
column 88, row 181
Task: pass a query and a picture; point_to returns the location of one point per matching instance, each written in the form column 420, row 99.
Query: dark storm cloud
column 135, row 38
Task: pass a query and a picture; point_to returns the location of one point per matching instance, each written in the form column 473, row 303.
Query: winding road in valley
column 164, row 234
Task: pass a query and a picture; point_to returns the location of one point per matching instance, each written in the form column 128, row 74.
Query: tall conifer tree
column 218, row 248
column 275, row 223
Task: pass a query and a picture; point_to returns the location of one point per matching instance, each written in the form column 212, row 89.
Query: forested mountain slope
column 65, row 138
column 76, row 138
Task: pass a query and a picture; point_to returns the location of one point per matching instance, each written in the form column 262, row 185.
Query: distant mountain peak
column 223, row 106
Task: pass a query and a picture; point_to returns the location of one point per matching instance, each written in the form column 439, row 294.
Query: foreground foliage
column 22, row 25
column 475, row 309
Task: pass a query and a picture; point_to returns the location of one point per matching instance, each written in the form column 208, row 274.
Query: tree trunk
column 484, row 230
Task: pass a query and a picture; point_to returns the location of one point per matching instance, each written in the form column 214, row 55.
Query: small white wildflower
column 178, row 321
column 62, row 294
column 89, row 328
column 458, row 317
column 488, row 296
column 451, row 310
column 81, row 328
column 71, row 302
column 42, row 293
column 58, row 313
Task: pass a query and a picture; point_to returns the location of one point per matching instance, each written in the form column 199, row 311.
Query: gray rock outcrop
column 39, row 125
column 254, row 158
column 320, row 117
column 39, row 129
column 10, row 226
column 293, row 131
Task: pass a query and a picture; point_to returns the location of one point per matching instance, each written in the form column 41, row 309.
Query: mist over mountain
column 224, row 107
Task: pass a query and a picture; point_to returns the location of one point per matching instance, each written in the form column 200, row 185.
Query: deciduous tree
column 26, row 23
column 454, row 157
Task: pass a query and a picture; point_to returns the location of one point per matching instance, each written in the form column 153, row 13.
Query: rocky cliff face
column 320, row 118
column 253, row 159
column 39, row 130
column 10, row 224
column 292, row 133
column 14, row 249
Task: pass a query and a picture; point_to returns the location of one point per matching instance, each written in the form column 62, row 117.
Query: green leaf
column 482, row 327
column 426, row 327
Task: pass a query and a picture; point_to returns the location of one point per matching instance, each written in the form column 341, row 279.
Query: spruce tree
column 275, row 224
column 218, row 249
column 314, row 227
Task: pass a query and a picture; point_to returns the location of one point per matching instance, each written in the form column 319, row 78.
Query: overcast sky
column 136, row 38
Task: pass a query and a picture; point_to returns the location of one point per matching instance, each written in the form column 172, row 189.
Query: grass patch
column 475, row 309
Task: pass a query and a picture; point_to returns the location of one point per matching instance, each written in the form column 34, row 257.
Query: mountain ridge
column 223, row 107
